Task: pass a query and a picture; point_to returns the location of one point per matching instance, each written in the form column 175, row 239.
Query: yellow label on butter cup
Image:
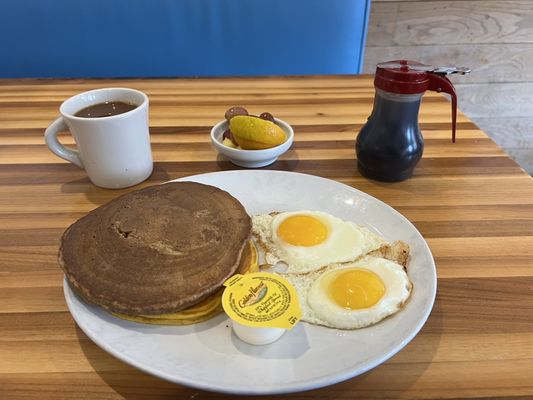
column 261, row 299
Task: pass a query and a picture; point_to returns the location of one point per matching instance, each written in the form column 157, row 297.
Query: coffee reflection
column 106, row 109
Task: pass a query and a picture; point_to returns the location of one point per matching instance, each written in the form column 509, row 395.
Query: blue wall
column 145, row 38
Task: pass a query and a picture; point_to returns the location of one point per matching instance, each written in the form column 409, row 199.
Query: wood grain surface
column 453, row 21
column 470, row 201
column 493, row 37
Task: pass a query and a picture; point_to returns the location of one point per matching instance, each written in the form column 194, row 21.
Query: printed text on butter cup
column 261, row 300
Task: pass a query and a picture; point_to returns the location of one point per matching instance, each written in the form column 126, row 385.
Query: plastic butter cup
column 257, row 336
column 262, row 306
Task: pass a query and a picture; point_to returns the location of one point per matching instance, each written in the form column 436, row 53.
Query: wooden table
column 471, row 202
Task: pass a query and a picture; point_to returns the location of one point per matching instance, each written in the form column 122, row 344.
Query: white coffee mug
column 114, row 150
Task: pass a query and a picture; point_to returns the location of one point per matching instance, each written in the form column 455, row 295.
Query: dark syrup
column 390, row 144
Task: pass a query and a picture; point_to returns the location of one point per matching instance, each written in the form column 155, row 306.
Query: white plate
column 208, row 356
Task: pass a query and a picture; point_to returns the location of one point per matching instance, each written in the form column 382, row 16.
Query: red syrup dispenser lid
column 411, row 77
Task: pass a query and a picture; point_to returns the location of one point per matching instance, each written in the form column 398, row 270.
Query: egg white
column 318, row 308
column 346, row 242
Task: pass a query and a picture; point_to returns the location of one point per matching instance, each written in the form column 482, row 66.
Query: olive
column 233, row 111
column 267, row 116
column 228, row 135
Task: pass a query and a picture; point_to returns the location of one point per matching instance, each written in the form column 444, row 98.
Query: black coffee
column 105, row 109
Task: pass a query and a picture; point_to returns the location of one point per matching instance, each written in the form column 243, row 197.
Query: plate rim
column 296, row 386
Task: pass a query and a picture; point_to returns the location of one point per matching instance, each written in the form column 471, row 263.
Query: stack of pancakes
column 160, row 254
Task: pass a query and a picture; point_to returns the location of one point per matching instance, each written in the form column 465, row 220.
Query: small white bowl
column 251, row 158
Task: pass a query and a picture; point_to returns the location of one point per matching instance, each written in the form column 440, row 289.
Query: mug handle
column 50, row 136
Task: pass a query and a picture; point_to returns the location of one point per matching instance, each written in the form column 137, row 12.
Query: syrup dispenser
column 390, row 144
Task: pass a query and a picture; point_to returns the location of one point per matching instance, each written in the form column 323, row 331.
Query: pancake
column 208, row 307
column 157, row 250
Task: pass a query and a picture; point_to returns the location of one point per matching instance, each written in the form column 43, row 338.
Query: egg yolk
column 356, row 289
column 302, row 230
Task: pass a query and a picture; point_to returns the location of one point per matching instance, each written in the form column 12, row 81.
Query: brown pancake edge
column 156, row 250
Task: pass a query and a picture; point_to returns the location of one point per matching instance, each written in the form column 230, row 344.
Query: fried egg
column 353, row 295
column 308, row 240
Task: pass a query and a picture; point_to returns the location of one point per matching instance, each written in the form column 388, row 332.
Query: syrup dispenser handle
column 438, row 83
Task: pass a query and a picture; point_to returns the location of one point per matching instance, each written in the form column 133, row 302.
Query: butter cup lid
column 262, row 300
